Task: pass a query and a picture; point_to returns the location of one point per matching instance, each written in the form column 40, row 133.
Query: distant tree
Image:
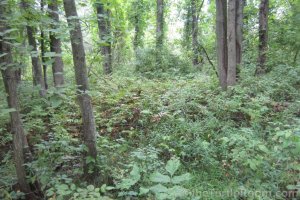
column 196, row 9
column 43, row 48
column 239, row 30
column 55, row 45
column 160, row 22
column 263, row 37
column 231, row 43
column 8, row 71
column 221, row 32
column 36, row 63
column 160, row 33
column 137, row 17
column 104, row 26
column 89, row 129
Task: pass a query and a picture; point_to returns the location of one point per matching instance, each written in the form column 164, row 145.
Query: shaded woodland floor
column 245, row 139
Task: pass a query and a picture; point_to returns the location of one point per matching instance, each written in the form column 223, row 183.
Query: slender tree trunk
column 195, row 33
column 231, row 41
column 136, row 39
column 160, row 24
column 221, row 32
column 239, row 30
column 55, row 46
column 263, row 36
column 43, row 50
column 159, row 30
column 35, row 60
column 9, row 77
column 103, row 18
column 84, row 99
column 138, row 32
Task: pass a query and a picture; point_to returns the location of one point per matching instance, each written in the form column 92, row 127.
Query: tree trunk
column 9, row 77
column 239, row 30
column 221, row 32
column 55, row 46
column 160, row 24
column 138, row 32
column 43, row 50
column 195, row 32
column 103, row 18
column 263, row 36
column 231, row 41
column 81, row 77
column 35, row 60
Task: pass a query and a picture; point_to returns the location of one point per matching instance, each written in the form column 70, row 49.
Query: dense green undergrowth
column 180, row 138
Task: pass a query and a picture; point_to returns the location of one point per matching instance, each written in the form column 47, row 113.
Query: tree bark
column 103, row 18
column 20, row 144
column 231, row 41
column 195, row 33
column 43, row 50
column 263, row 37
column 138, row 32
column 55, row 46
column 160, row 24
column 35, row 60
column 239, row 30
column 81, row 77
column 221, row 32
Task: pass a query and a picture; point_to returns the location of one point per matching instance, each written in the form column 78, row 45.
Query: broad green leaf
column 135, row 173
column 178, row 192
column 159, row 188
column 159, row 178
column 172, row 166
column 263, row 148
column 181, row 178
column 143, row 190
column 90, row 187
column 132, row 180
column 253, row 166
column 3, row 54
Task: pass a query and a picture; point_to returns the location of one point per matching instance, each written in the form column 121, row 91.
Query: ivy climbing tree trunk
column 20, row 145
column 43, row 50
column 263, row 37
column 103, row 18
column 89, row 129
column 231, row 42
column 221, row 32
column 35, row 60
column 55, row 46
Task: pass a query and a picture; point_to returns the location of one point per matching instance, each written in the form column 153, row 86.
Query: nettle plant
column 166, row 185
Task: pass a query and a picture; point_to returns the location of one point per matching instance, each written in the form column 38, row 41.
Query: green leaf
column 159, row 188
column 263, row 148
column 90, row 188
column 253, row 166
column 181, row 178
column 157, row 177
column 146, row 112
column 178, row 192
column 6, row 111
column 143, row 190
column 172, row 166
column 3, row 54
column 132, row 180
column 135, row 173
